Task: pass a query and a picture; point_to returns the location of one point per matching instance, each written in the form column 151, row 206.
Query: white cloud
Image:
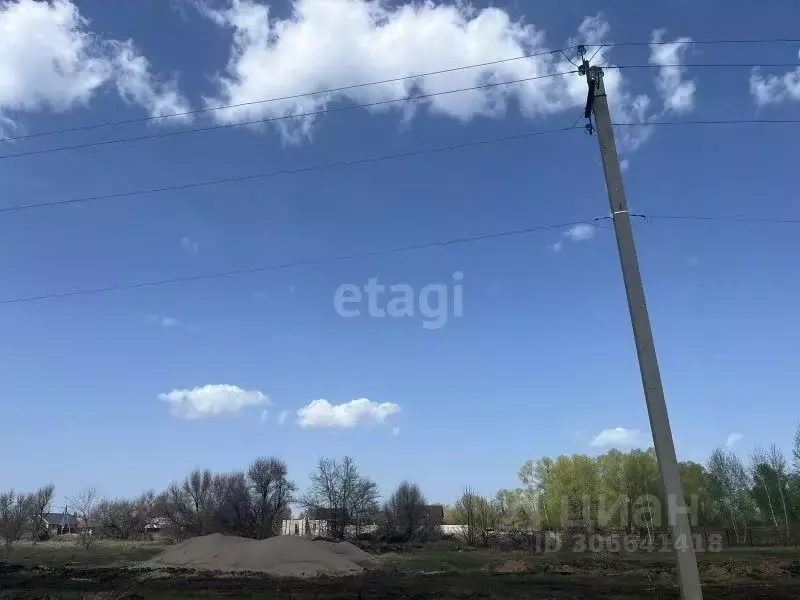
column 619, row 437
column 577, row 233
column 51, row 60
column 189, row 245
column 284, row 414
column 359, row 411
column 396, row 430
column 733, row 439
column 323, row 45
column 774, row 89
column 264, row 415
column 624, row 164
column 164, row 320
column 676, row 92
column 212, row 401
column 580, row 232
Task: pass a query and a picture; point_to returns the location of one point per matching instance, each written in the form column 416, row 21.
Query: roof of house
column 322, row 514
column 61, row 519
column 434, row 511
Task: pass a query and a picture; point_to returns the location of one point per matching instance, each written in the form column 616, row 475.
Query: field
column 441, row 570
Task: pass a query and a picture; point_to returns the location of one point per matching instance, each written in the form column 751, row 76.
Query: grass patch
column 59, row 554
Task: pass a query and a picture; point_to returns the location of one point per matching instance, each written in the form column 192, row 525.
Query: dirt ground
column 436, row 571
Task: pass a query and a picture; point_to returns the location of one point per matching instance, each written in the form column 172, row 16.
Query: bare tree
column 270, row 493
column 407, row 510
column 466, row 509
column 15, row 511
column 339, row 491
column 197, row 491
column 84, row 506
column 125, row 519
column 41, row 500
column 233, row 511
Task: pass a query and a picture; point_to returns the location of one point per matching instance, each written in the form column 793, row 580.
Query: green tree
column 731, row 487
column 534, row 476
column 697, row 492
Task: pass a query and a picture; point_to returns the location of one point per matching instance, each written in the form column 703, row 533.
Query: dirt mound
column 282, row 556
column 510, row 566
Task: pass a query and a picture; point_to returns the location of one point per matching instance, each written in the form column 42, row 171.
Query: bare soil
column 428, row 573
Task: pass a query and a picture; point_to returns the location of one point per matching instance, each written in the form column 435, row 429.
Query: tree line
column 616, row 489
column 623, row 490
column 251, row 503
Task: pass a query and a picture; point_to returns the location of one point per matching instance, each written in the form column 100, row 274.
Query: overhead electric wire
column 372, row 253
column 180, row 132
column 371, row 83
column 717, row 122
column 726, row 219
column 703, row 42
column 164, row 134
column 306, row 169
column 704, row 65
column 366, row 160
column 282, row 98
column 283, row 266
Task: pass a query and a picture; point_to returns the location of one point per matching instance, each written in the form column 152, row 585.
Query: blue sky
column 542, row 360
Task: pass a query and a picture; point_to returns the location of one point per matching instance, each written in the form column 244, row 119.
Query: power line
column 282, row 98
column 371, row 83
column 720, row 122
column 164, row 134
column 169, row 134
column 704, row 42
column 727, row 219
column 366, row 160
column 284, row 266
column 307, row 169
column 704, row 65
column 387, row 251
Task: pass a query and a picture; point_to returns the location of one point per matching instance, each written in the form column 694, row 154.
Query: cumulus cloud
column 323, row 45
column 773, row 89
column 733, row 439
column 577, row 233
column 357, row 412
column 164, row 320
column 618, row 437
column 580, row 232
column 676, row 92
column 52, row 61
column 189, row 245
column 212, row 401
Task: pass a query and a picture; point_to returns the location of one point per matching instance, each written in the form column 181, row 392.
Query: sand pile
column 282, row 556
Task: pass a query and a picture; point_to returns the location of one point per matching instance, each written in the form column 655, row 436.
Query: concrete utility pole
column 682, row 539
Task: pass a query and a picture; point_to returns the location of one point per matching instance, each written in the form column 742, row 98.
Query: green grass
column 58, row 554
column 440, row 571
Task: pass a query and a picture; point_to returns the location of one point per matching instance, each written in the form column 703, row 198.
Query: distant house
column 156, row 525
column 60, row 523
column 434, row 514
column 318, row 523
